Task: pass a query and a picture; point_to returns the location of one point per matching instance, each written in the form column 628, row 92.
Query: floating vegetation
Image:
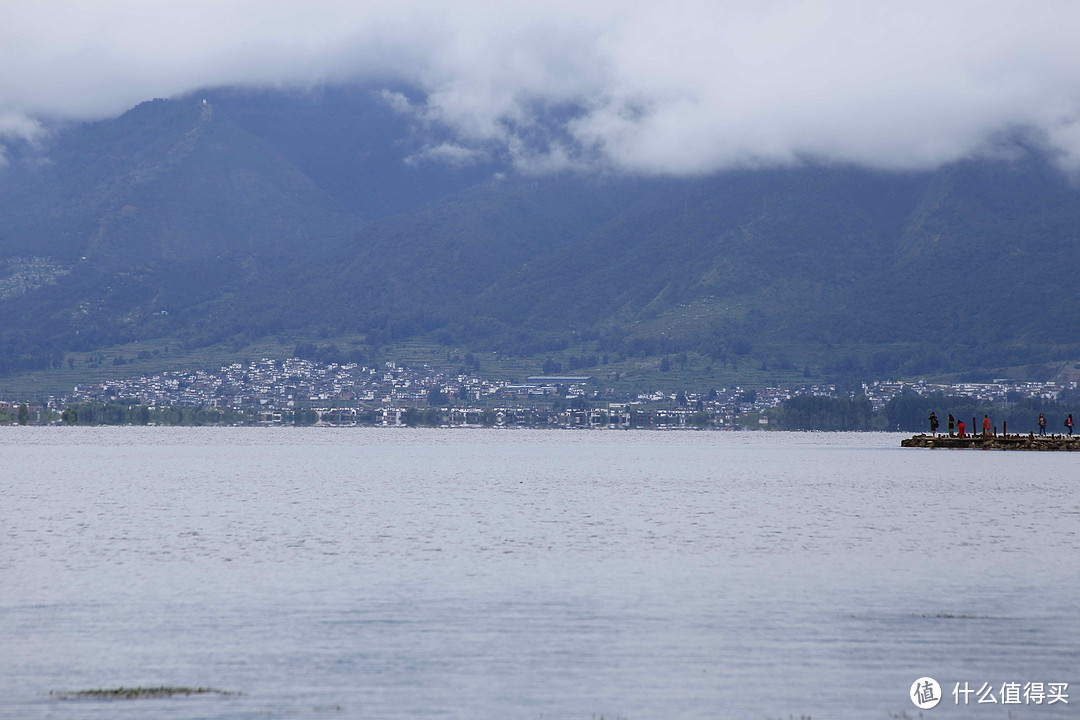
column 137, row 693
column 951, row 616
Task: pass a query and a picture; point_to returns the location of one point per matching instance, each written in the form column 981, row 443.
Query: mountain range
column 230, row 216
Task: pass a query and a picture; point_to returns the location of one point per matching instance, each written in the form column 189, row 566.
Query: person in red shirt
column 986, row 426
column 960, row 427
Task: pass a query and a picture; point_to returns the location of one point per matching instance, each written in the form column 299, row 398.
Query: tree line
column 907, row 413
column 124, row 413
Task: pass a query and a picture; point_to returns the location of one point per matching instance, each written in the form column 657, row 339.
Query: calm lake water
column 530, row 574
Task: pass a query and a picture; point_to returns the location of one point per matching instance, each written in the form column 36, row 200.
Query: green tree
column 23, row 414
column 808, row 412
column 552, row 367
column 305, row 417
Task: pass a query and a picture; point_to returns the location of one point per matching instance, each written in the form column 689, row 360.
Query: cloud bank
column 680, row 88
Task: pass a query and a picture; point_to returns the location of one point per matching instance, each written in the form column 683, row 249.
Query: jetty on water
column 995, row 442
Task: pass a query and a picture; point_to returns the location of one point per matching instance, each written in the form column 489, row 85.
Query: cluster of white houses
column 274, row 391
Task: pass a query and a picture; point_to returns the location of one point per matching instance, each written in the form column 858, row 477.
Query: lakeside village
column 302, row 392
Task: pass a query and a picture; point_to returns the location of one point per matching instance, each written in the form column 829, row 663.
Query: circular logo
column 925, row 693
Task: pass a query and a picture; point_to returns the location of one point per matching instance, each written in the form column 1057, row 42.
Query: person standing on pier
column 1042, row 424
column 952, row 424
column 986, row 426
column 1068, row 424
column 960, row 429
column 933, row 423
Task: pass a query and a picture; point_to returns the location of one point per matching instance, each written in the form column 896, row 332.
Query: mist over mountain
column 232, row 215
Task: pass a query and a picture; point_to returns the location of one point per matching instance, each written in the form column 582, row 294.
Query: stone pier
column 995, row 442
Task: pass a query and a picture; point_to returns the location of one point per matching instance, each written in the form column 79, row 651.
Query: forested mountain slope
column 231, row 216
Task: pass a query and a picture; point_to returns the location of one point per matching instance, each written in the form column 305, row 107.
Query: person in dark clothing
column 933, row 423
column 1042, row 424
column 952, row 424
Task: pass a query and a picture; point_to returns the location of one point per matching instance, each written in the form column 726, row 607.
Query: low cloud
column 16, row 126
column 682, row 88
column 448, row 153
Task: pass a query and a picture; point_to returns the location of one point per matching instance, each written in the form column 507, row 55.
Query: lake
column 517, row 574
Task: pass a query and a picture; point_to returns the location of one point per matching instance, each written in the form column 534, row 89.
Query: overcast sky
column 677, row 87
